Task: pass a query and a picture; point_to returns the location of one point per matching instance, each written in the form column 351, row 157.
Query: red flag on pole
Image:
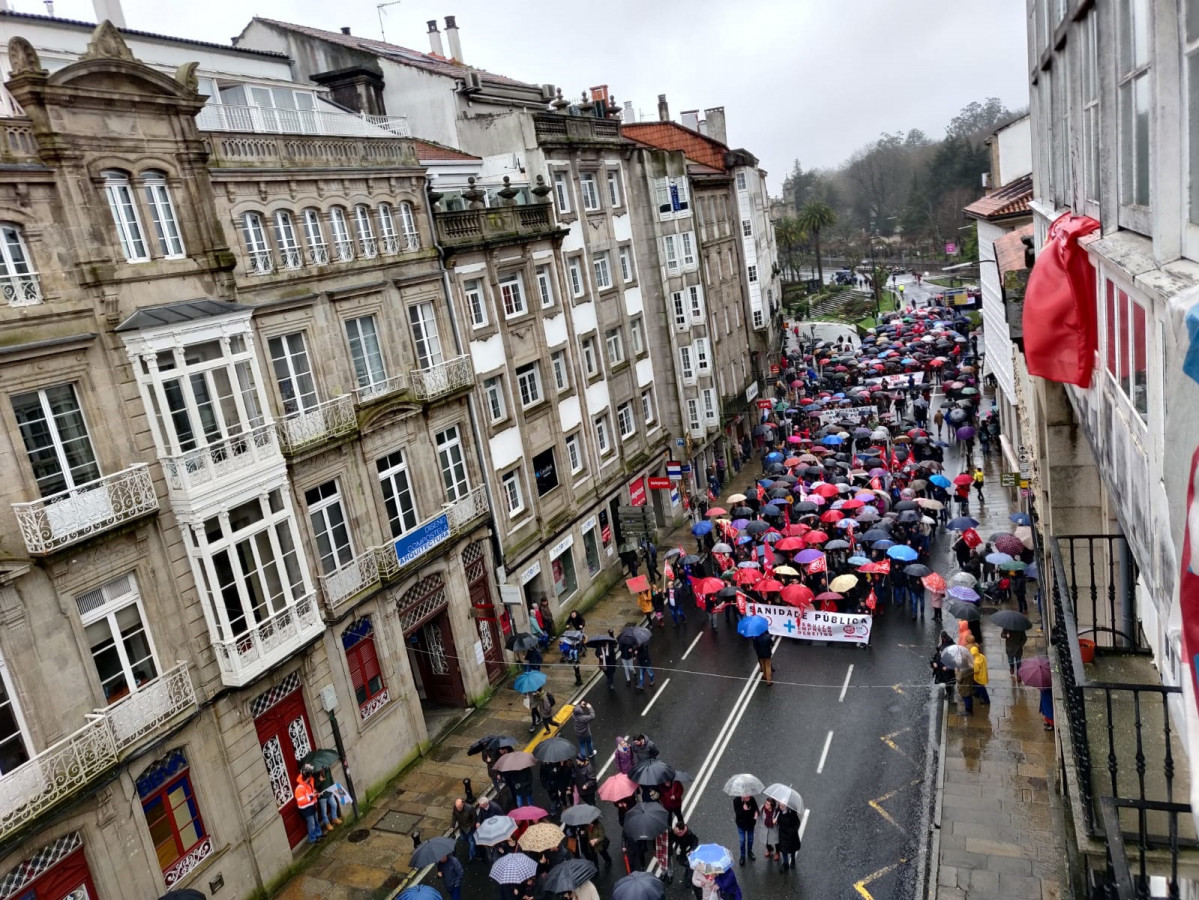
column 971, row 537
column 876, row 484
column 817, row 565
column 871, row 601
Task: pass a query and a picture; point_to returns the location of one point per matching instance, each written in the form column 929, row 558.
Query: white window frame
column 603, row 270
column 529, row 389
column 408, row 227
column 649, row 406
column 162, row 214
column 343, row 244
column 514, row 500
column 286, row 242
column 747, row 228
column 87, row 464
column 561, row 191
column 603, row 435
column 291, row 367
column 560, row 365
column 591, row 363
column 703, row 356
column 512, row 295
column 615, row 193
column 694, row 423
column 366, row 353
column 624, row 421
column 752, row 273
column 637, row 336
column 670, row 253
column 115, row 597
column 574, row 453
column 258, row 248
column 474, row 293
column 122, row 203
column 687, row 242
column 589, row 191
column 687, row 364
column 368, row 248
column 711, row 408
column 672, row 198
column 392, row 470
column 22, row 730
column 322, row 519
column 388, row 242
column 614, row 343
column 451, row 457
column 627, row 270
column 574, row 267
column 695, row 303
column 314, row 237
column 741, row 183
column 678, row 305
column 494, row 398
column 426, row 336
column 1133, row 71
column 545, row 285
column 19, row 283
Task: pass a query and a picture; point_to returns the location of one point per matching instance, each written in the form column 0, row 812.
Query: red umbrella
column 934, row 583
column 715, row 511
column 1009, row 544
column 825, row 490
column 792, row 461
column 871, row 568
column 852, row 504
column 789, row 543
column 617, row 787
column 768, row 585
column 709, row 585
column 815, row 537
column 833, row 515
column 806, row 401
column 829, row 595
column 747, row 576
column 964, row 478
column 797, row 595
column 796, row 529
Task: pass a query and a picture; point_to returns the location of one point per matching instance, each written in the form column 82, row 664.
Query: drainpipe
column 1125, row 590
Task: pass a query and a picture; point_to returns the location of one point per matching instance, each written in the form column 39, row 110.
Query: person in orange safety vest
column 305, row 794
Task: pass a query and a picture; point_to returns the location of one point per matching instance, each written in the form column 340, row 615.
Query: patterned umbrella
column 1010, row 544
column 541, row 837
column 513, row 868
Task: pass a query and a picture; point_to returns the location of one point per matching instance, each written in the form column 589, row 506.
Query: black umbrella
column 916, row 570
column 320, row 759
column 908, row 517
column 639, row 886
column 634, row 636
column 690, row 559
column 1010, row 620
column 874, row 534
column 776, row 469
column 597, row 641
column 520, row 642
column 727, row 593
column 489, row 742
column 555, row 750
column 566, row 876
column 741, row 512
column 431, row 851
column 651, row 772
column 646, row 821
column 906, row 504
column 960, row 610
column 756, row 527
column 579, row 814
column 805, row 507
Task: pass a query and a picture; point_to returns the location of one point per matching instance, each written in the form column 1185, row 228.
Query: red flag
column 883, row 567
column 817, row 565
column 894, row 461
column 871, row 601
column 767, row 556
column 970, row 536
column 875, row 484
column 740, row 603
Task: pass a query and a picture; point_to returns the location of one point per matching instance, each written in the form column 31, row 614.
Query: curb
column 933, row 870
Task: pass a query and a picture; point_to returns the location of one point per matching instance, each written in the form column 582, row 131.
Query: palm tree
column 815, row 216
column 789, row 236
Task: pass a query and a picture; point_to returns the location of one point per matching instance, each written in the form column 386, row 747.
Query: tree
column 815, row 216
column 789, row 237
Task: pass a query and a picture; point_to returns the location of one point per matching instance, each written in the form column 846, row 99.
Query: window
column 759, row 319
column 672, row 198
column 388, row 243
column 366, row 677
column 575, row 268
column 545, row 471
column 18, row 281
column 257, row 248
column 686, row 364
column 711, row 410
column 703, row 356
column 562, row 569
column 589, row 191
column 545, row 286
column 614, row 191
column 624, row 421
column 493, row 392
column 561, row 368
column 740, row 181
column 647, row 406
column 637, row 332
column 329, row 527
column 615, row 345
column 528, row 382
column 173, row 815
column 603, row 435
column 693, row 423
column 125, row 216
column 453, row 465
column 343, row 247
column 397, row 492
column 512, row 292
column 286, row 242
column 14, row 746
column 747, row 228
column 591, row 551
column 590, row 357
column 366, row 355
column 671, row 252
column 574, row 453
column 114, row 626
column 695, row 303
column 56, row 439
column 1135, row 100
column 1126, row 347
column 367, row 248
column 513, row 498
column 679, row 306
column 476, row 301
column 562, row 191
column 687, row 241
column 162, row 215
column 1089, row 52
column 753, row 274
column 627, row 272
column 314, row 237
column 293, row 372
column 603, row 272
column 424, row 335
column 408, row 227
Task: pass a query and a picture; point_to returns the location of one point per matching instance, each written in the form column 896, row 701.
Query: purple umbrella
column 965, row 433
column 740, row 523
column 808, row 556
column 963, row 593
column 1035, row 673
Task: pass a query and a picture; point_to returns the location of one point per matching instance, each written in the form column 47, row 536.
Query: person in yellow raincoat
column 980, row 675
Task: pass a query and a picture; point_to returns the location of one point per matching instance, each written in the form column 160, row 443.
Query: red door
column 438, row 663
column 286, row 737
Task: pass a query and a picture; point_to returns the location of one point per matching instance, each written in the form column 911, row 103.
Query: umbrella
column 807, row 556
column 320, row 759
column 927, row 503
column 786, row 796
column 757, row 527
column 829, row 595
column 709, row 585
column 495, row 830
column 193, row 894
column 965, row 433
column 1019, row 518
column 1014, row 565
column 768, row 586
column 736, row 498
column 555, row 750
column 710, row 859
column 637, row 584
column 998, row 559
column 722, row 547
column 743, row 785
column 527, row 813
column 836, row 545
column 645, row 821
column 750, row 627
column 514, row 761
column 699, row 529
column 961, row 523
column 634, row 635
column 416, row 892
column 795, row 595
column 964, row 478
column 602, row 639
column 902, row 552
column 541, row 837
column 957, row 657
column 962, row 610
column 617, row 787
column 513, row 868
column 566, row 876
column 1010, row 544
column 963, row 593
column 528, row 682
column 1010, row 620
column 784, row 570
column 580, row 814
column 649, row 772
column 431, row 851
column 965, row 579
column 916, row 570
column 521, row 642
column 843, row 583
column 715, row 512
column 639, row 886
column 941, row 481
column 1035, row 672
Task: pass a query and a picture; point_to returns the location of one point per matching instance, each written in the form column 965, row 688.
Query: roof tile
column 672, row 136
column 1011, row 199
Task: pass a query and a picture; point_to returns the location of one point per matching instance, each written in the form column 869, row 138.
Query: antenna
column 379, row 7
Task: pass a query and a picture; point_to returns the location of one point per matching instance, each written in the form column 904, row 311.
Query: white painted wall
column 569, row 413
column 506, row 448
column 555, row 330
column 1015, row 151
column 488, row 355
column 633, row 303
column 997, row 335
column 645, row 372
column 585, row 318
column 597, row 397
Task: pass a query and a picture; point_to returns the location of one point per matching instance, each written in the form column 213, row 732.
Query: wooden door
column 285, row 735
column 437, row 659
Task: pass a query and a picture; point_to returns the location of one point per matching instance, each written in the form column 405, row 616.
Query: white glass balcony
column 231, row 456
column 321, row 423
column 69, row 516
column 444, row 378
column 358, row 574
column 245, row 657
column 267, row 120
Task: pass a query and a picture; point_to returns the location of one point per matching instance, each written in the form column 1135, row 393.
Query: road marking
column 654, row 698
column 600, row 773
column 693, row 643
column 896, row 688
column 824, row 753
column 860, row 886
column 845, row 687
column 886, row 739
column 875, row 804
column 803, row 823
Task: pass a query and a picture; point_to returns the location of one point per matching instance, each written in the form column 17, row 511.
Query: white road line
column 824, row 753
column 654, row 698
column 693, row 643
column 803, row 823
column 600, row 773
column 845, row 687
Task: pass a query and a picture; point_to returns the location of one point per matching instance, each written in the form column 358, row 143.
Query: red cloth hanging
column 1060, row 330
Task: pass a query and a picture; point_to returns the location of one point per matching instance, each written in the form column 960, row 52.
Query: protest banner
column 789, row 621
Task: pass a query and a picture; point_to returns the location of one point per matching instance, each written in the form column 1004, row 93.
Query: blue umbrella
column 998, row 559
column 771, row 510
column 420, row 892
column 961, row 523
column 941, row 481
column 766, row 482
column 858, row 560
column 710, row 859
column 831, row 440
column 1020, row 518
column 701, row 528
column 883, row 544
column 774, row 456
column 752, row 626
column 513, row 868
column 1032, row 572
column 902, row 552
column 527, row 682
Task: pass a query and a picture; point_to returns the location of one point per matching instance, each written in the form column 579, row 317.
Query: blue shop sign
column 422, row 539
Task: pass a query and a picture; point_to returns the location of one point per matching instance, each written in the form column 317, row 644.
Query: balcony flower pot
column 1087, row 649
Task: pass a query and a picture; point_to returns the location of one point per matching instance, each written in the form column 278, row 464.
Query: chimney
column 630, row 115
column 109, row 9
column 663, row 109
column 345, row 29
column 689, row 118
column 715, row 119
column 435, row 38
column 451, row 33
column 703, row 127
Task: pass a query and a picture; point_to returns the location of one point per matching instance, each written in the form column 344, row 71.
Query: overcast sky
column 799, row 79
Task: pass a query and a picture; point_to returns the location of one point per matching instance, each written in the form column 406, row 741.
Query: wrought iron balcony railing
column 21, row 290
column 459, row 517
column 69, row 516
column 444, row 378
column 266, row 643
column 352, row 578
column 220, row 459
column 392, row 385
column 323, row 422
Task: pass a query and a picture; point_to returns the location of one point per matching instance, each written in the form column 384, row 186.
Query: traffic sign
column 1008, row 479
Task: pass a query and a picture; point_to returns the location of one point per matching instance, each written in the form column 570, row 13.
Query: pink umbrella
column 527, row 814
column 1035, row 672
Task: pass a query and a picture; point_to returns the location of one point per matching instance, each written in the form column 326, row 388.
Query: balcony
column 236, row 150
column 555, row 128
column 1126, row 771
column 265, row 120
column 21, row 290
column 465, row 511
column 419, row 542
column 356, row 576
column 68, row 766
column 18, row 143
column 323, row 422
column 465, row 228
column 70, row 516
column 268, row 642
column 229, row 457
column 444, row 378
column 368, row 393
